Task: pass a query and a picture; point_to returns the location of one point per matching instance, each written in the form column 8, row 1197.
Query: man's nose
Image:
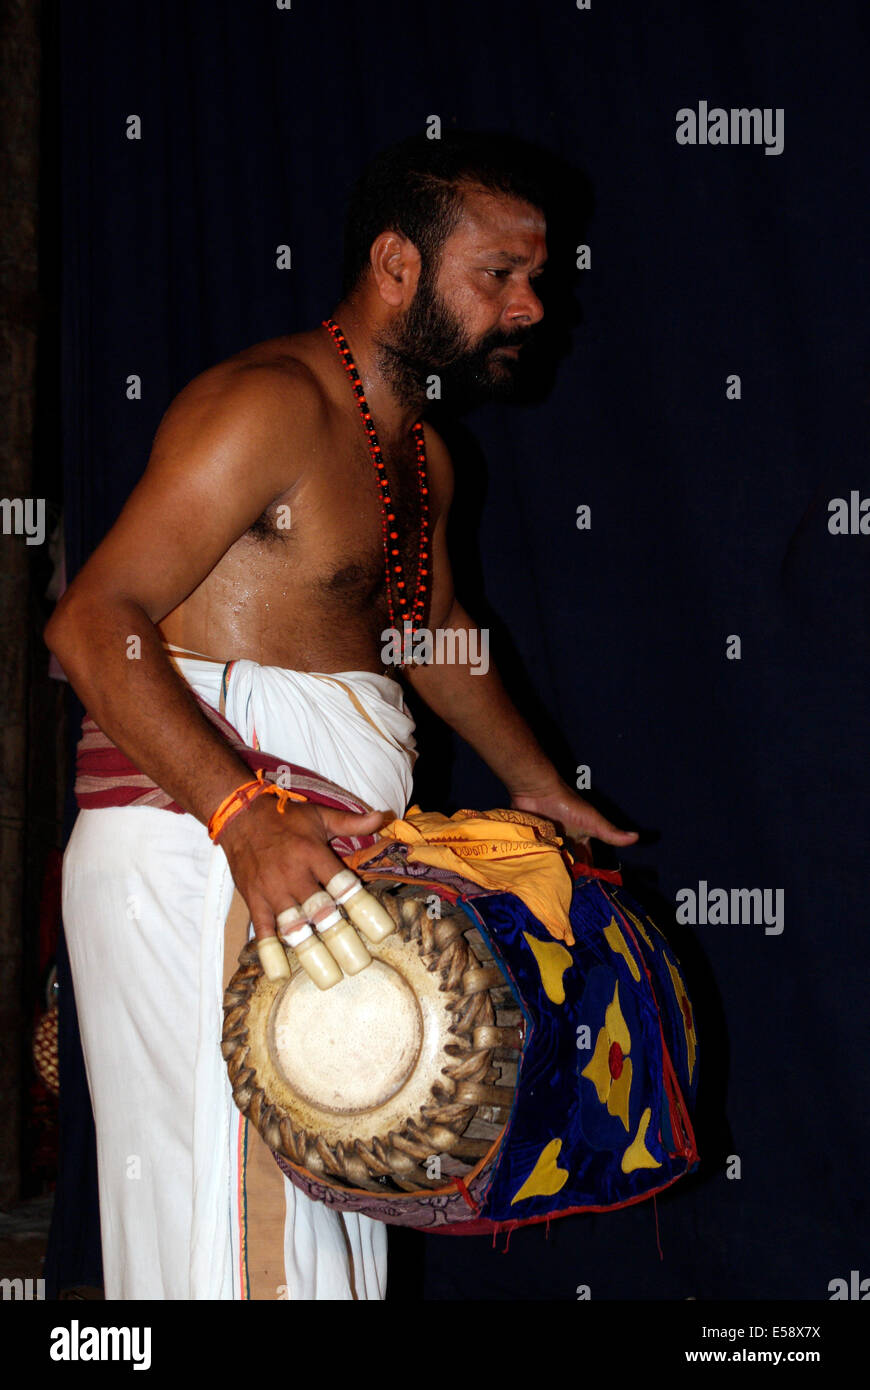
column 526, row 309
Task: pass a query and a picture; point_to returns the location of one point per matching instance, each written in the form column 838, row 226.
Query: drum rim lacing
column 392, row 1168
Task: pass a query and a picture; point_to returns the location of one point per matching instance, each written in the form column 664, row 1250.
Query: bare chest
column 345, row 540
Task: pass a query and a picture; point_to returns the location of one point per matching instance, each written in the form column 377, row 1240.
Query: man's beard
column 431, row 341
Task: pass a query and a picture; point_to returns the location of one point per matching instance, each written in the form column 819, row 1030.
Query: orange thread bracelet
column 242, row 797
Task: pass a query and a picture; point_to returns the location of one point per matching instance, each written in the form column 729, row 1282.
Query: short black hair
column 416, row 188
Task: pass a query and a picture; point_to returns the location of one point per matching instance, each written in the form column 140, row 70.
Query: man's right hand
column 278, row 859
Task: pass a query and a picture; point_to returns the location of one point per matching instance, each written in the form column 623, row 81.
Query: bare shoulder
column 439, row 467
column 265, row 395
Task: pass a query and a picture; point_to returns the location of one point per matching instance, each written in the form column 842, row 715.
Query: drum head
column 363, row 1082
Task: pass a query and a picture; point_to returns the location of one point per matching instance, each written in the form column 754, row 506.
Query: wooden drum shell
column 449, row 1081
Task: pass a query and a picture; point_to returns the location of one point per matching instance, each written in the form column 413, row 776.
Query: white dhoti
column 145, row 899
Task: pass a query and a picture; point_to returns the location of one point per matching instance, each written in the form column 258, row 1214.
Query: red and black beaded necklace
column 408, row 612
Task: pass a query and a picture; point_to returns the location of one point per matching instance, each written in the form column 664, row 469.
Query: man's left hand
column 574, row 818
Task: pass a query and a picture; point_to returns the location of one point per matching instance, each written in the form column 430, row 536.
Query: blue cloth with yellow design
column 608, row 1074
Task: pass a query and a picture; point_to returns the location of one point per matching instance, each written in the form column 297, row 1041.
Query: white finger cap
column 273, row 958
column 290, row 919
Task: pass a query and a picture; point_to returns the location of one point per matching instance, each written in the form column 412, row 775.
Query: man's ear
column 395, row 265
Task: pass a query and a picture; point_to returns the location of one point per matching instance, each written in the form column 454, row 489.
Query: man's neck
column 393, row 408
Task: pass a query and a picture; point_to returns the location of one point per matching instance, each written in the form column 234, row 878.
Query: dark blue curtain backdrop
column 709, row 515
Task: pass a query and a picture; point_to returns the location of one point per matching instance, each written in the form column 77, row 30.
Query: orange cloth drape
column 504, row 851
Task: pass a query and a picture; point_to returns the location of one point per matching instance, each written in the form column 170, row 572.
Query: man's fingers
column 289, row 894
column 353, row 823
column 323, row 865
column 262, row 919
column 598, row 828
column 611, row 835
column 289, row 872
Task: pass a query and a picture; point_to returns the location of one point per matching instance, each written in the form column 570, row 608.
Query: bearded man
column 292, row 511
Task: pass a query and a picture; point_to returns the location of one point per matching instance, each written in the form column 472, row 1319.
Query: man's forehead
column 493, row 222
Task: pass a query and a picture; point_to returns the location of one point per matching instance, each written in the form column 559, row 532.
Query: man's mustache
column 517, row 339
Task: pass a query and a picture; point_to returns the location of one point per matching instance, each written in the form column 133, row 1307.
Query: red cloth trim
column 106, row 777
column 466, row 1195
column 589, row 871
column 487, row 1227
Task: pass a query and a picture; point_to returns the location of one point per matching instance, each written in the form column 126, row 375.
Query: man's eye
column 499, row 274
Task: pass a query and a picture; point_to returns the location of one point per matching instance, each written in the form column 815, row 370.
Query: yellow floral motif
column 546, row 1178
column 639, row 925
column 685, row 1014
column 637, row 1155
column 609, row 1068
column 616, row 941
column 553, row 960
